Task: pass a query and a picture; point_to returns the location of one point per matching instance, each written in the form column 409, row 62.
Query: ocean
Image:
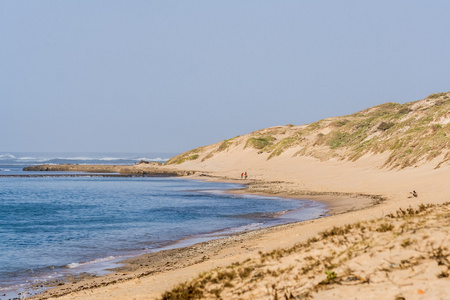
column 55, row 226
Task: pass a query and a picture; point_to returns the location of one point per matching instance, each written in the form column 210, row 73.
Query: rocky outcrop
column 138, row 169
column 145, row 162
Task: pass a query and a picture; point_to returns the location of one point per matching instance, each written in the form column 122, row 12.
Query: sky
column 169, row 76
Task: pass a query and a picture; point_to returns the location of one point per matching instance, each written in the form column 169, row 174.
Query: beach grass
column 335, row 259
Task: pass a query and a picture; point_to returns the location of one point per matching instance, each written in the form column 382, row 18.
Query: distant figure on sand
column 242, row 175
column 245, row 175
column 414, row 193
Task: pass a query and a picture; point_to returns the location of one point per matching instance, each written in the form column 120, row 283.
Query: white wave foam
column 107, row 158
column 248, row 227
column 76, row 158
column 92, row 262
column 243, row 228
column 113, row 158
column 153, row 159
column 27, row 158
column 5, row 170
column 14, row 287
column 83, row 158
column 38, row 158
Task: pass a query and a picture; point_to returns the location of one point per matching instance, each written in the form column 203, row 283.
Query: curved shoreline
column 178, row 258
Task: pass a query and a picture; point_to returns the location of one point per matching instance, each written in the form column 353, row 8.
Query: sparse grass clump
column 284, row 144
column 440, row 255
column 406, row 243
column 411, row 212
column 336, row 231
column 183, row 159
column 186, row 156
column 443, row 274
column 437, row 95
column 384, row 227
column 245, row 272
column 224, row 145
column 184, row 291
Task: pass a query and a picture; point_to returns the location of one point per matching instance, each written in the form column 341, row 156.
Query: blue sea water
column 13, row 162
column 54, row 226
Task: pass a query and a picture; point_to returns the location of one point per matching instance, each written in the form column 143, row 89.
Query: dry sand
column 410, row 271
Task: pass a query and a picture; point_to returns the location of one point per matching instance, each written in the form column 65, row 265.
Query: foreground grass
column 402, row 251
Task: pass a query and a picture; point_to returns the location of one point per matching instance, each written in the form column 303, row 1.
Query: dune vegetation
column 411, row 134
column 337, row 257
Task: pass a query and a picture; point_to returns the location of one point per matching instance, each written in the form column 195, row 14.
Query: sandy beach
column 383, row 173
column 356, row 192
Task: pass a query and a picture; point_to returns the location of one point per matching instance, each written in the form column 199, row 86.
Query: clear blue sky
column 168, row 76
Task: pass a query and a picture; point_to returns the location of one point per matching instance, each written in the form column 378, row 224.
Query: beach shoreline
column 189, row 252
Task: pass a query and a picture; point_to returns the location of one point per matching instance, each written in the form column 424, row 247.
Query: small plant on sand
column 331, row 278
column 406, row 243
column 443, row 274
column 384, row 227
column 331, row 275
column 439, row 255
column 245, row 272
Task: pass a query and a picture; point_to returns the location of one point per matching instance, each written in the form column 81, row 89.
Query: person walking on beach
column 245, row 175
column 242, row 175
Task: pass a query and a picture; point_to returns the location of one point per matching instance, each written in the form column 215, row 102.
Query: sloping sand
column 339, row 183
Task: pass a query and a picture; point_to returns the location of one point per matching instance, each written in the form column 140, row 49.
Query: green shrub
column 385, row 125
column 260, row 143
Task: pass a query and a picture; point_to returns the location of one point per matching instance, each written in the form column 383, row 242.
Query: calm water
column 54, row 226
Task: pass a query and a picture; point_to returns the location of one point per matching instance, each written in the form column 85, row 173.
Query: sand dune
column 380, row 242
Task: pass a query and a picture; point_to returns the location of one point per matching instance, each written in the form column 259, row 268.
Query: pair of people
column 244, row 174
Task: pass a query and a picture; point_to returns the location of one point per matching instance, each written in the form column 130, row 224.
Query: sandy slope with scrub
column 379, row 242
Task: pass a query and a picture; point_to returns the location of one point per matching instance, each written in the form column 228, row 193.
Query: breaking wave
column 81, row 158
column 92, row 262
column 7, row 156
